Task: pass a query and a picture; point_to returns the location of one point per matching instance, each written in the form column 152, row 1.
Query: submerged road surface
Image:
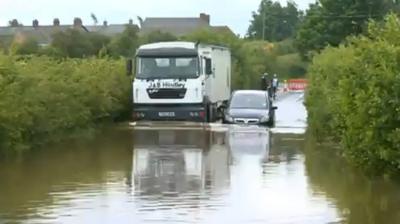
column 222, row 174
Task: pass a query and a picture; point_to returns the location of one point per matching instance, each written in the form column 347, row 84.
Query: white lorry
column 181, row 81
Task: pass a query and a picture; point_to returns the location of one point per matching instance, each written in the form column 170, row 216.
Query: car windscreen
column 168, row 67
column 250, row 101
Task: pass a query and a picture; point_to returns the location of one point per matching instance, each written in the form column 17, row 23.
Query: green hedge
column 44, row 98
column 354, row 97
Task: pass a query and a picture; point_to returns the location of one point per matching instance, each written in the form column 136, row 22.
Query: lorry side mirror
column 129, row 67
column 209, row 70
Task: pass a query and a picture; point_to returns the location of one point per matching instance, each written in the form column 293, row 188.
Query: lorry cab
column 180, row 81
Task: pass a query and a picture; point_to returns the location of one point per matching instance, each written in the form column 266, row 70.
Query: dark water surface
column 238, row 175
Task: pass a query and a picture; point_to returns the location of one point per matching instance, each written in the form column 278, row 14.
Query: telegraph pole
column 263, row 24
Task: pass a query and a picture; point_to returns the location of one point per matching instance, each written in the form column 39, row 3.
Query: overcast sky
column 234, row 13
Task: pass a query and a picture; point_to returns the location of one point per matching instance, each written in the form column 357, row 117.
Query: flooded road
column 223, row 174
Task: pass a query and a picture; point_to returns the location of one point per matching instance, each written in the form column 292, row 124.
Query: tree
column 126, row 43
column 158, row 36
column 353, row 97
column 77, row 44
column 25, row 46
column 14, row 23
column 72, row 43
column 273, row 22
column 98, row 41
column 329, row 22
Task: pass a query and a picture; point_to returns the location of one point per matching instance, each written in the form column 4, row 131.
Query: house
column 109, row 29
column 180, row 26
column 43, row 34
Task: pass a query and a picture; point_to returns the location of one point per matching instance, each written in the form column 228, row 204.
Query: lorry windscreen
column 167, row 68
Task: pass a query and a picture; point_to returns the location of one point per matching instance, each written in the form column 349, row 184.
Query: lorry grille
column 166, row 93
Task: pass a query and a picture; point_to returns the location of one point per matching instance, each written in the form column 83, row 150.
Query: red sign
column 297, row 84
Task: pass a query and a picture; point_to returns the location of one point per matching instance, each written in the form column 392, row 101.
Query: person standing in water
column 275, row 83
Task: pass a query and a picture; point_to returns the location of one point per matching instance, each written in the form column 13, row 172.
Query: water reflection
column 249, row 141
column 236, row 175
column 179, row 174
column 244, row 175
column 359, row 199
column 175, row 162
column 62, row 179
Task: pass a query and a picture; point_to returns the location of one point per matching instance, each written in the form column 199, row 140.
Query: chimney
column 205, row 17
column 35, row 23
column 56, row 22
column 130, row 21
column 78, row 22
column 105, row 23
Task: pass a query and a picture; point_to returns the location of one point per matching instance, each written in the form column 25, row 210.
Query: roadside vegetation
column 350, row 52
column 43, row 98
column 354, row 97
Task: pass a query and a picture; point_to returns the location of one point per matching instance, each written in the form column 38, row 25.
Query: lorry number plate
column 166, row 114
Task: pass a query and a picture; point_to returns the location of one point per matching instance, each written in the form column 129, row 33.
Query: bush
column 78, row 44
column 44, row 98
column 125, row 43
column 290, row 66
column 157, row 36
column 25, row 47
column 354, row 97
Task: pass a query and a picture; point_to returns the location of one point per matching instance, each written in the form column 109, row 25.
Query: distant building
column 43, row 34
column 180, row 26
column 110, row 29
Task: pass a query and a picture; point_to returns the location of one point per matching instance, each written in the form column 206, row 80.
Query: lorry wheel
column 210, row 114
column 271, row 122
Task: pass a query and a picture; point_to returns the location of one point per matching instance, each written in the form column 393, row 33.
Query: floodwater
column 222, row 174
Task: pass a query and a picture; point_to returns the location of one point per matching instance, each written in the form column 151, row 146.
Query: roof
column 175, row 26
column 222, row 29
column 168, row 49
column 173, row 44
column 109, row 30
column 42, row 34
column 172, row 22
